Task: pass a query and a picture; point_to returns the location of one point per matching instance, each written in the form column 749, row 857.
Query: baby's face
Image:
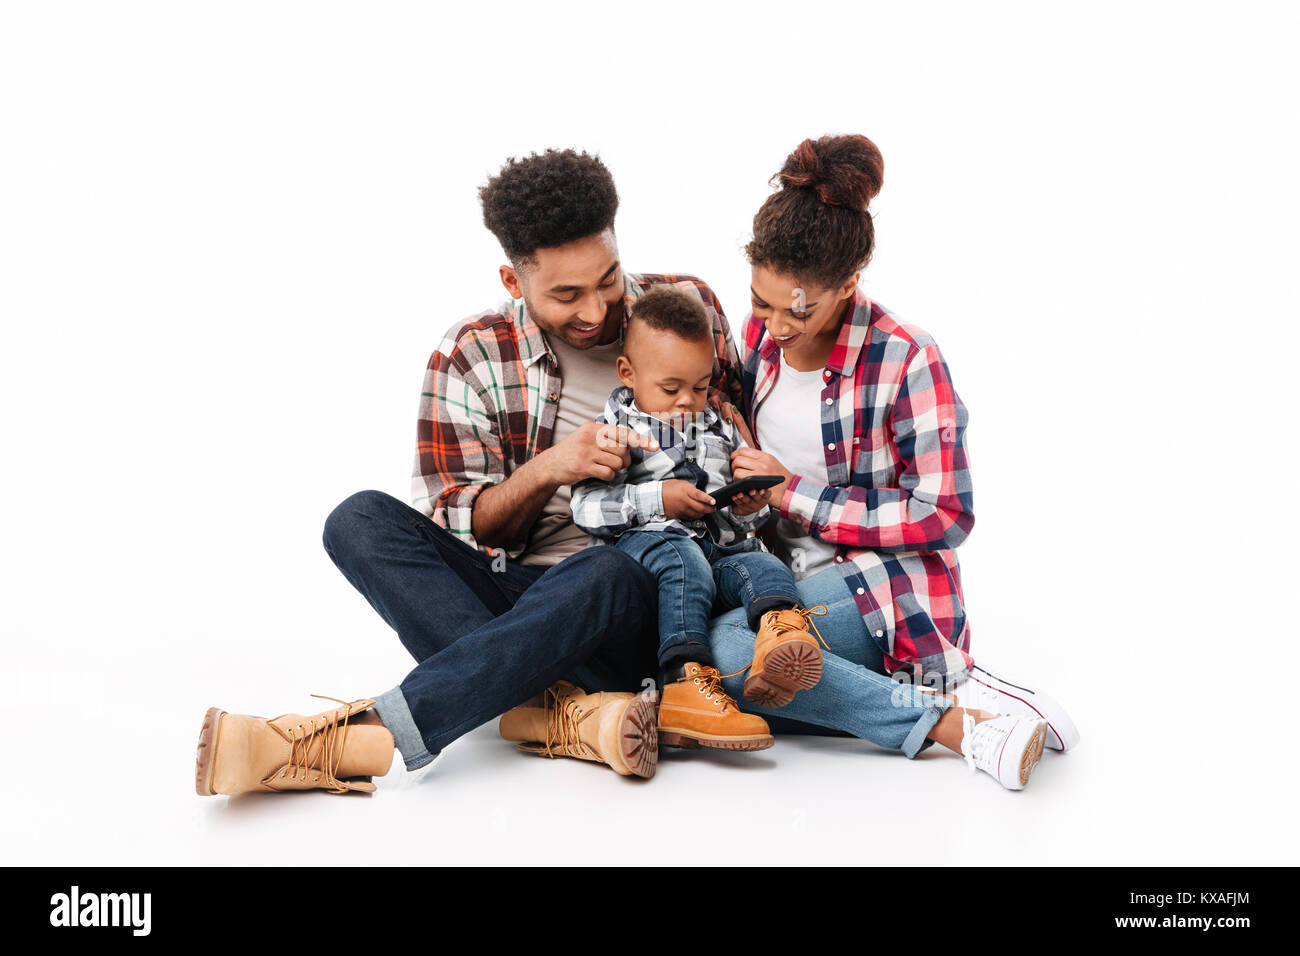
column 669, row 376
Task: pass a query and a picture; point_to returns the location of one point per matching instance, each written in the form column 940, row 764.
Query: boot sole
column 787, row 669
column 637, row 740
column 206, row 752
column 639, row 735
column 691, row 740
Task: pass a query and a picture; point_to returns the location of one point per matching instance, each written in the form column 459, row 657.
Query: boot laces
column 318, row 746
column 708, row 681
column 807, row 614
column 563, row 726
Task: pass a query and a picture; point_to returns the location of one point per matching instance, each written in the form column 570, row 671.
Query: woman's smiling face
column 798, row 318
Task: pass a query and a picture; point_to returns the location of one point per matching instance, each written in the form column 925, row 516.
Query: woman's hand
column 748, row 502
column 750, row 461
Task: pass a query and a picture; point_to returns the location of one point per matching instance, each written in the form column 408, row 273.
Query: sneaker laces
column 979, row 746
column 563, row 725
column 305, row 755
column 968, row 740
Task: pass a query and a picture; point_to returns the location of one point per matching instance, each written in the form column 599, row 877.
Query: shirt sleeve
column 743, row 524
column 932, row 507
column 458, row 443
column 607, row 509
column 729, row 383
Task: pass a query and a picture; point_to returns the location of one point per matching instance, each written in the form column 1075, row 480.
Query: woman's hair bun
column 842, row 170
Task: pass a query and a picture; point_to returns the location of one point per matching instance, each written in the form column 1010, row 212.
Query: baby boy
column 704, row 558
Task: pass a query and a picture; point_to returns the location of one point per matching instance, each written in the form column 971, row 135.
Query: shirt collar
column 853, row 335
column 532, row 340
column 621, row 400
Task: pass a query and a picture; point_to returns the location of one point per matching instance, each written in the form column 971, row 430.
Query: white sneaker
column 982, row 691
column 1007, row 748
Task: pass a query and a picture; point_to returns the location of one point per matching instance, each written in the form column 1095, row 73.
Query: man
column 489, row 584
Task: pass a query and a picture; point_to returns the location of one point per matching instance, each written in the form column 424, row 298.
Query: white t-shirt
column 788, row 427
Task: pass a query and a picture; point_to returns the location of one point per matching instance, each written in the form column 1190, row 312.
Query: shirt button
column 880, row 633
column 830, row 401
column 860, row 591
column 554, row 396
column 839, row 557
column 831, row 446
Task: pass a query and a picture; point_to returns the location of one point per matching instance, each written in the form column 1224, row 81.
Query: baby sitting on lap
column 704, row 558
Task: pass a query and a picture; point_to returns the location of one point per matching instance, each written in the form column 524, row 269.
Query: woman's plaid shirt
column 490, row 395
column 899, row 494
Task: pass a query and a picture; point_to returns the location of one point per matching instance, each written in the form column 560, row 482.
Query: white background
column 231, row 234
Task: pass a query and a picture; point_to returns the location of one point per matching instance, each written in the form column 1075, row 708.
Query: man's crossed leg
column 486, row 640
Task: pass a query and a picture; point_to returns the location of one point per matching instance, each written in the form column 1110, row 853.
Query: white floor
column 99, row 751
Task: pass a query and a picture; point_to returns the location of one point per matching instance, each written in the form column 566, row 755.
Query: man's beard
column 613, row 314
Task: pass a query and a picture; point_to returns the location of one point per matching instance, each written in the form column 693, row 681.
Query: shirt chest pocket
column 875, row 463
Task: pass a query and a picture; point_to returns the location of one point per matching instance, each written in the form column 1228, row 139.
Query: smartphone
column 726, row 493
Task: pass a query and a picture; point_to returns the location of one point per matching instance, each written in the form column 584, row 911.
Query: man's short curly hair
column 546, row 200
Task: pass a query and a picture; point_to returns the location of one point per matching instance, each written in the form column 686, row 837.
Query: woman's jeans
column 853, row 695
column 696, row 578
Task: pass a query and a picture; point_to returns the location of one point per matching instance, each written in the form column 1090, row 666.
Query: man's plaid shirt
column 899, row 494
column 490, row 395
column 699, row 451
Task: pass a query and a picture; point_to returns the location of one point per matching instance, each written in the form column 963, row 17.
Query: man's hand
column 594, row 450
column 504, row 513
column 750, row 461
column 682, row 500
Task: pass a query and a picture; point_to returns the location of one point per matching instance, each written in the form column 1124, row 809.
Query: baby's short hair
column 672, row 310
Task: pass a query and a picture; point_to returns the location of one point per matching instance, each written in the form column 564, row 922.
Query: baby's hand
column 748, row 502
column 682, row 500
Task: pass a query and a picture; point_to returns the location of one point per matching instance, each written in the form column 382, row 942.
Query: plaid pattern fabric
column 491, row 390
column 698, row 452
column 899, row 494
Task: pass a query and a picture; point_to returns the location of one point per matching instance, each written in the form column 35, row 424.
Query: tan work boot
column 242, row 754
column 617, row 729
column 696, row 712
column 786, row 658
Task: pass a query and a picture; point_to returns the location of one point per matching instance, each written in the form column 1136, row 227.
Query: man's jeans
column 697, row 577
column 853, row 695
column 487, row 640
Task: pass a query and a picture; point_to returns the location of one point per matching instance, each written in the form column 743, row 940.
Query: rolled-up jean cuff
column 393, row 710
column 685, row 646
column 916, row 741
column 767, row 602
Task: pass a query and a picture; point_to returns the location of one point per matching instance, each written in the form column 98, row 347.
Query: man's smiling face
column 573, row 292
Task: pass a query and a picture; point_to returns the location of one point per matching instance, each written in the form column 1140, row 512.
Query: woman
column 876, row 496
